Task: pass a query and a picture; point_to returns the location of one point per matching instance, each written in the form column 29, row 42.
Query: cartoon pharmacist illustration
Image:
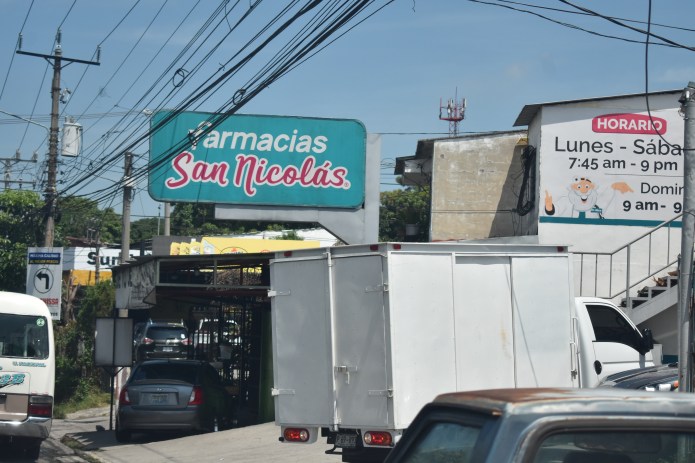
column 584, row 199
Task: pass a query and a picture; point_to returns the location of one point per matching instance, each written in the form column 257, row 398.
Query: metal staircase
column 635, row 273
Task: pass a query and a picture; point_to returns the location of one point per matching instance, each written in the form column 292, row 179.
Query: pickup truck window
column 611, row 326
column 615, row 447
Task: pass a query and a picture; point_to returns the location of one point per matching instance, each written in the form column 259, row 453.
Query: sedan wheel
column 122, row 435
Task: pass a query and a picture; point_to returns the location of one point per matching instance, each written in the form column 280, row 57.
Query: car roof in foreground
column 545, row 401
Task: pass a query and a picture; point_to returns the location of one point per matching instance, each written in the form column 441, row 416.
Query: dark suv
column 161, row 340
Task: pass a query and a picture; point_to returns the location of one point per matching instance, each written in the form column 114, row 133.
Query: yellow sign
column 222, row 245
column 88, row 277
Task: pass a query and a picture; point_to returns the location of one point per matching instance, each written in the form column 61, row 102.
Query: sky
column 391, row 70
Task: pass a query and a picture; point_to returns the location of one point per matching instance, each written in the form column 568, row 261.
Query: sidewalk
column 83, row 421
column 252, row 444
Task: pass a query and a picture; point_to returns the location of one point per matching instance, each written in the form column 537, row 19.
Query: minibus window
column 23, row 336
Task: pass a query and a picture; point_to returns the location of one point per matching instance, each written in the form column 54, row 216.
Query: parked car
column 656, row 378
column 161, row 340
column 173, row 395
column 598, row 425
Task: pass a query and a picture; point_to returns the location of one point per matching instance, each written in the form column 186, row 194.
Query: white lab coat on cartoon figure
column 584, row 200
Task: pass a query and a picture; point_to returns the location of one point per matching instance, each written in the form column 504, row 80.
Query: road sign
column 44, row 272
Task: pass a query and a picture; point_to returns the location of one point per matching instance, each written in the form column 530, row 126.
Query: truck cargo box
column 366, row 335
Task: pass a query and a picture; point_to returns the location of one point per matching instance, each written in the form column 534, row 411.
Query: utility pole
column 9, row 162
column 57, row 59
column 685, row 290
column 127, row 191
column 167, row 219
column 93, row 236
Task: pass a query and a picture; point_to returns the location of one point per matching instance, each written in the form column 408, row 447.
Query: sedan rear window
column 170, row 371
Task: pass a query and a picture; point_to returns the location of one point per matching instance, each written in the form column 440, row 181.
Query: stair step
column 656, row 290
column 637, row 301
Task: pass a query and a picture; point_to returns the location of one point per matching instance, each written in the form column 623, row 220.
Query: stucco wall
column 476, row 182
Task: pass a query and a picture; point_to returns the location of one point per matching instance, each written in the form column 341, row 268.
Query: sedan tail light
column 186, row 342
column 196, row 396
column 147, row 341
column 123, row 398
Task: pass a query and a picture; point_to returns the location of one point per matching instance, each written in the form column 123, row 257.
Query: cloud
column 516, row 71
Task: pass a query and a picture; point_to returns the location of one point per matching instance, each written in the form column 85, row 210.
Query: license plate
column 348, row 441
column 167, row 349
column 159, row 399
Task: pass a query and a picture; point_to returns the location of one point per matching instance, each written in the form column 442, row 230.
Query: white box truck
column 365, row 335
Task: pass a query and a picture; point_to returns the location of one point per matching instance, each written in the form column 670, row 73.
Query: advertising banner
column 226, row 245
column 257, row 160
column 601, row 166
column 44, row 277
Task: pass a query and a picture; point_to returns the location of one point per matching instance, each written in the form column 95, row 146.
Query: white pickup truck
column 365, row 335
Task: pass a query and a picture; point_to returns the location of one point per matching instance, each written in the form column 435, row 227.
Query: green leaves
column 404, row 207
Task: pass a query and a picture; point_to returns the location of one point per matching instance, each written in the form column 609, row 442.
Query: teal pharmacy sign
column 257, row 160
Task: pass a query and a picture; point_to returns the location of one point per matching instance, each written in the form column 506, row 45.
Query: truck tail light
column 296, row 435
column 41, row 405
column 380, row 438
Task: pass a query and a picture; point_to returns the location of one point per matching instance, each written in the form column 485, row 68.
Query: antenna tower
column 454, row 112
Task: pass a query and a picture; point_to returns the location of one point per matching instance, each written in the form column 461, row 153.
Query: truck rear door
column 360, row 370
column 302, row 363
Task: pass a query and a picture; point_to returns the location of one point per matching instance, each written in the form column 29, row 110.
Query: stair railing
column 634, row 261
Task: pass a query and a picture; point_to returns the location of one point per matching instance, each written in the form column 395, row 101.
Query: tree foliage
column 410, row 206
column 190, row 219
column 82, row 218
column 21, row 217
column 145, row 229
column 76, row 375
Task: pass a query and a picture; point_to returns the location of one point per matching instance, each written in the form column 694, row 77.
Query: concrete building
column 477, row 184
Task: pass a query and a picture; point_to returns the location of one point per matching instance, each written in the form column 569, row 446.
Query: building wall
column 634, row 179
column 476, row 182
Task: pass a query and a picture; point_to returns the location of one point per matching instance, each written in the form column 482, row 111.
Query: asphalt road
column 252, row 444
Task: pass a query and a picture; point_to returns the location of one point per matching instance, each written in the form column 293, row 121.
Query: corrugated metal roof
column 529, row 111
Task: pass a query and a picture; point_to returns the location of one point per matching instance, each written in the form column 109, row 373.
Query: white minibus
column 27, row 371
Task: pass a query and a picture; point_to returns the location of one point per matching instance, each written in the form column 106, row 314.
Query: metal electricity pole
column 57, row 60
column 685, row 290
column 127, row 191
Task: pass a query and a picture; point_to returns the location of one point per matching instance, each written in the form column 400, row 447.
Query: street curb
column 87, row 455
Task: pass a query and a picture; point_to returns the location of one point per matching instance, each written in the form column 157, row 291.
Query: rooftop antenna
column 454, row 112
